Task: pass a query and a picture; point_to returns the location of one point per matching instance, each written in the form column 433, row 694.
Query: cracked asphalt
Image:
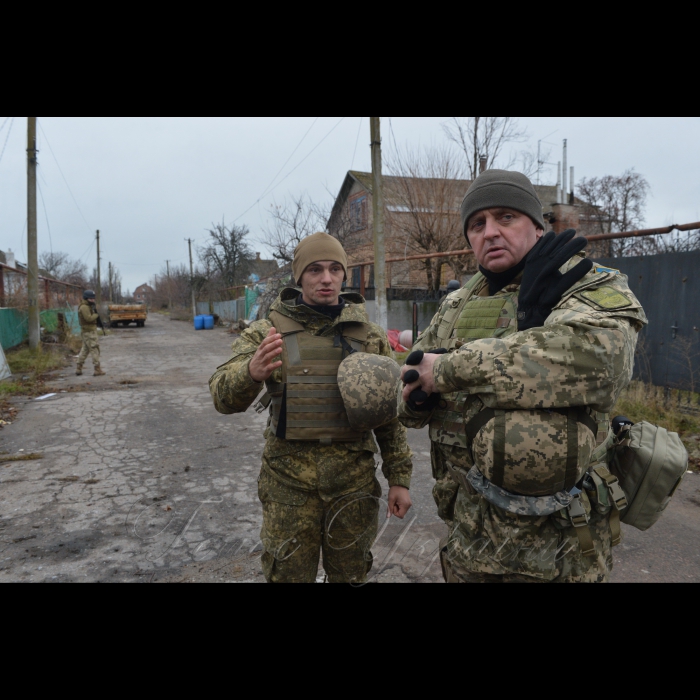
column 142, row 481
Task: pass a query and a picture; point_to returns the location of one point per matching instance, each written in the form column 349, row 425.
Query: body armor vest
column 307, row 405
column 530, row 453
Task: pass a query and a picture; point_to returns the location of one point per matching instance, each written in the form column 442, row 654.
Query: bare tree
column 490, row 137
column 615, row 203
column 423, row 199
column 299, row 217
column 291, row 222
column 62, row 267
column 678, row 242
column 227, row 255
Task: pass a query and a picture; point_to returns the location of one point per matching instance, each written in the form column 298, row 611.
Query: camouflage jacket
column 87, row 316
column 584, row 355
column 334, row 470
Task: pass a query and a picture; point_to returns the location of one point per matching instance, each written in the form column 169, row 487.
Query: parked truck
column 126, row 315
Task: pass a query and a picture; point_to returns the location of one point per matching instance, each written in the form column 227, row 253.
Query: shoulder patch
column 605, row 270
column 607, row 298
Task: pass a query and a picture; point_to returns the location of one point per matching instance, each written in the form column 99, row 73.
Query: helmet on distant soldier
column 89, row 294
column 453, row 286
column 369, row 386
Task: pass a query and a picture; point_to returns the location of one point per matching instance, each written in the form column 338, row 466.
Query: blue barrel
column 208, row 323
column 199, row 323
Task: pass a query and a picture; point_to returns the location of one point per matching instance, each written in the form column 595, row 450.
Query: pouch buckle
column 577, row 513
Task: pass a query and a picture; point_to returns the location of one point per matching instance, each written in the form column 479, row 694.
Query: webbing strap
column 579, row 519
column 615, row 527
column 332, row 408
column 294, row 394
column 572, row 453
column 315, row 424
column 480, row 421
column 312, row 380
column 499, row 449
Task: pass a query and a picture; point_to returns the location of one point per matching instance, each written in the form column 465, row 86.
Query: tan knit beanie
column 318, row 248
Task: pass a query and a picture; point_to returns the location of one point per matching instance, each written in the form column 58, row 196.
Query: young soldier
column 318, row 487
column 537, row 349
column 89, row 320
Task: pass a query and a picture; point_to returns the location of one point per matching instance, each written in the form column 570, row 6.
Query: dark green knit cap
column 501, row 188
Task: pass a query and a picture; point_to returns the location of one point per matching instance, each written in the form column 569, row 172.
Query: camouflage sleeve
column 232, row 387
column 397, row 465
column 581, row 357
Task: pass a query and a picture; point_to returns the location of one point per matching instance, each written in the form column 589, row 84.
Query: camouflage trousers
column 489, row 545
column 91, row 347
column 298, row 526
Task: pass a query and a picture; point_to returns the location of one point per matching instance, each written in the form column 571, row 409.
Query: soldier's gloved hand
column 419, row 400
column 543, row 285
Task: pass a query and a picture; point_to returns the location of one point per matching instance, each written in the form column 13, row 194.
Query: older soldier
column 89, row 320
column 318, row 487
column 527, row 362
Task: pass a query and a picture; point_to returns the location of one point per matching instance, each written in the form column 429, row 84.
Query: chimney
column 565, row 172
column 10, row 257
column 559, row 195
column 572, row 198
column 483, row 164
column 257, row 257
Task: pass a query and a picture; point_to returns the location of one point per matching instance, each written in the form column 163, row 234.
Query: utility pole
column 98, row 291
column 32, row 247
column 111, row 298
column 378, row 211
column 170, row 289
column 194, row 300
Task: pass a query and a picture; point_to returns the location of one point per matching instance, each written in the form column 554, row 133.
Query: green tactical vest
column 307, row 404
column 520, row 451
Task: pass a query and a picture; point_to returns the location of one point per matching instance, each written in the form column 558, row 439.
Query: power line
column 7, row 119
column 46, row 214
column 357, row 142
column 7, row 138
column 75, row 201
column 293, row 170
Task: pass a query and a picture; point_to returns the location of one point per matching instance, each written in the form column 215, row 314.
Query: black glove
column 427, row 403
column 543, row 285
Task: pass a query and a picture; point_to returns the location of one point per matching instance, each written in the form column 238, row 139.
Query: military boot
column 79, row 371
column 99, row 372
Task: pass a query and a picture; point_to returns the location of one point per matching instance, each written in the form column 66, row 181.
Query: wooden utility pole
column 32, row 247
column 98, row 291
column 194, row 299
column 111, row 297
column 378, row 211
column 170, row 289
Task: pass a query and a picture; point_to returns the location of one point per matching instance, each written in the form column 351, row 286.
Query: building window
column 358, row 214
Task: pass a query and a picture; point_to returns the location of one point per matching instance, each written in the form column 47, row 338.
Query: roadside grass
column 30, row 368
column 677, row 411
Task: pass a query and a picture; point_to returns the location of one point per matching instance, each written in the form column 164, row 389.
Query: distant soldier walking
column 89, row 322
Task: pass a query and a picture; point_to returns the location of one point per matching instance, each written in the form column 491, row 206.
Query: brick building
column 421, row 216
column 144, row 294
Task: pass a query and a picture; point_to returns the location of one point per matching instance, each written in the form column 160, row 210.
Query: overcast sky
column 148, row 183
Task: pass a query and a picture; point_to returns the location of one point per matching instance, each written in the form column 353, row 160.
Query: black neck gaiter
column 330, row 311
column 500, row 280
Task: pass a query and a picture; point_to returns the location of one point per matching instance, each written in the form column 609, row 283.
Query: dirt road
column 141, row 480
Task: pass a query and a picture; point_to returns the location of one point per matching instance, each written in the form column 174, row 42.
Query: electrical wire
column 7, row 138
column 46, row 214
column 7, row 119
column 75, row 201
column 293, row 170
column 357, row 143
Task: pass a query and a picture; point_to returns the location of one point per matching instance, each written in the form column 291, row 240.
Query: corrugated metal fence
column 668, row 286
column 14, row 324
column 231, row 311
